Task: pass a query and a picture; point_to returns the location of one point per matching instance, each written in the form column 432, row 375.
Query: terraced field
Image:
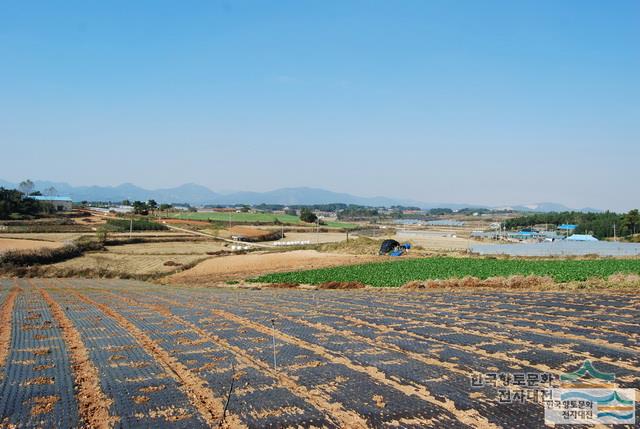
column 100, row 353
column 120, row 263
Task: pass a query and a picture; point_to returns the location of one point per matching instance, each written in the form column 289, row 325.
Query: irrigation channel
column 117, row 353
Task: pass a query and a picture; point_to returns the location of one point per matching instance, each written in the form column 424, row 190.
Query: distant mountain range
column 546, row 207
column 195, row 194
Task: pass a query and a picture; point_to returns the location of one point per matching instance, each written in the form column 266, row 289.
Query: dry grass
column 108, row 264
column 253, row 234
column 235, row 267
column 168, row 248
column 44, row 236
column 357, row 246
column 326, row 285
column 313, row 238
column 281, row 285
column 617, row 281
column 20, row 259
column 511, row 282
column 341, row 285
column 73, row 236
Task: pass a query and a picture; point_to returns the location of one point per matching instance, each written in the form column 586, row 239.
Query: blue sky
column 491, row 102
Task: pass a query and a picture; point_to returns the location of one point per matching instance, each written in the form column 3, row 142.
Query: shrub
column 123, row 225
column 16, row 205
column 22, row 258
column 308, row 216
column 102, row 234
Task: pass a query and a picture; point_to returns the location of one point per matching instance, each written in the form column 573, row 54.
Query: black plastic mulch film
column 450, row 328
column 37, row 386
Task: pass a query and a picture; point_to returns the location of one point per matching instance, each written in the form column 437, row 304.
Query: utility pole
column 614, row 232
column 130, row 227
column 273, row 332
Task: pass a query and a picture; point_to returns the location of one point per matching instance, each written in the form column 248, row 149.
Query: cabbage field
column 397, row 273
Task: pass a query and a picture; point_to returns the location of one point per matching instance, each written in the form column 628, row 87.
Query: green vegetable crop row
column 397, row 273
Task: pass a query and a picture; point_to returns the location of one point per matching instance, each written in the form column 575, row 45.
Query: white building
column 581, row 237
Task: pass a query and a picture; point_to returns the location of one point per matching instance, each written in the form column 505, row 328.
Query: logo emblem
column 590, row 396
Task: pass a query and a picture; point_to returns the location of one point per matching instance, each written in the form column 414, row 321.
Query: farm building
column 581, row 237
column 61, row 204
column 113, row 209
column 567, row 227
column 445, row 222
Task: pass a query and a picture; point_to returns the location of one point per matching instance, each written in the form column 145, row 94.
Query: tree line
column 600, row 225
column 16, row 205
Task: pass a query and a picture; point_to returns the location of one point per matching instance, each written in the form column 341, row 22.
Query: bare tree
column 50, row 191
column 26, row 187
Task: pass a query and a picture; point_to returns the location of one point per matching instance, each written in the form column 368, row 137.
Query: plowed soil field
column 214, row 270
column 7, row 244
column 112, row 263
column 119, row 353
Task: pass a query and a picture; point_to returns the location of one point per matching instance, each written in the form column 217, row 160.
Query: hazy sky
column 454, row 101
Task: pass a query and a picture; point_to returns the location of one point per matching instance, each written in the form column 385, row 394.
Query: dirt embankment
column 242, row 266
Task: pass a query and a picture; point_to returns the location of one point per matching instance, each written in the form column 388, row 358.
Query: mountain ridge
column 195, row 194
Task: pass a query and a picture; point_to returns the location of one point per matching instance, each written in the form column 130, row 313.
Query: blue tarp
column 567, row 226
column 46, row 198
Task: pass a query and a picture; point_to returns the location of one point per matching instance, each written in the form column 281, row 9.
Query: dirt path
column 6, row 317
column 210, row 407
column 242, row 266
column 93, row 404
column 228, row 240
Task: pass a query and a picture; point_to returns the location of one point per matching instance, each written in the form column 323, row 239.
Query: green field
column 397, row 273
column 254, row 218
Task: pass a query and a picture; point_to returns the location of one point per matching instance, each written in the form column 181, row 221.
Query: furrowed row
column 6, row 316
column 209, row 407
column 367, row 358
column 627, row 378
column 447, row 381
column 524, row 343
column 318, row 369
column 140, row 391
column 416, row 364
column 595, row 323
column 257, row 400
column 614, row 337
column 38, row 387
column 343, row 417
column 92, row 402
